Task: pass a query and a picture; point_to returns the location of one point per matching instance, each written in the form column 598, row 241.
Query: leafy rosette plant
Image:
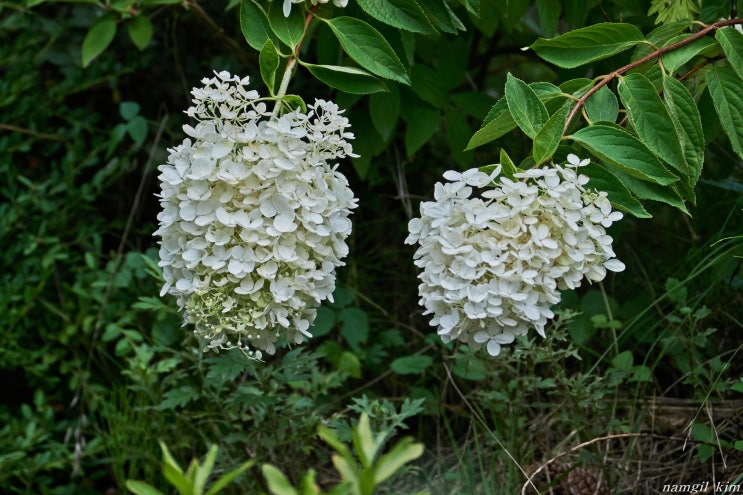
column 494, row 262
column 254, row 216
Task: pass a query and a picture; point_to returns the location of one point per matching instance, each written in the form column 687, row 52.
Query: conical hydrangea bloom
column 493, row 263
column 254, row 216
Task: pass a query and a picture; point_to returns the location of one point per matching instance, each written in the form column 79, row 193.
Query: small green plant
column 360, row 474
column 193, row 481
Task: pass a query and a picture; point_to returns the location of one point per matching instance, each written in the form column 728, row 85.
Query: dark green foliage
column 96, row 367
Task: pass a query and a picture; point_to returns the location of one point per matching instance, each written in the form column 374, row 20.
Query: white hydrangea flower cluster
column 287, row 7
column 254, row 218
column 493, row 263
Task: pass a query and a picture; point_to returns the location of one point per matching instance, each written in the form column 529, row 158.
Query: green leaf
column 444, row 16
column 602, row 179
column 128, row 109
column 651, row 121
column 98, row 38
column 675, row 59
column 549, row 16
column 498, row 122
column 137, row 129
column 324, row 322
column 686, row 118
column 173, row 472
column 643, row 189
column 254, row 25
column 588, row 44
column 368, row 48
column 331, row 439
column 269, row 62
column 349, row 363
column 141, row 488
column 289, row 30
column 289, row 103
column 623, row 361
column 602, row 106
column 411, row 365
column 278, row 484
column 403, row 452
column 509, row 168
column 364, row 442
column 384, row 109
column 458, row 131
column 421, row 124
column 731, row 41
column 140, row 31
column 624, row 151
column 354, row 326
column 227, row 478
column 724, row 87
column 402, row 14
column 527, row 110
column 549, row 136
column 202, row 471
column 348, row 79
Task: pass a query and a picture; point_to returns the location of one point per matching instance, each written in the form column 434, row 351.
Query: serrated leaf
column 140, row 31
column 254, row 25
column 411, row 365
column 177, row 397
column 624, row 151
column 384, row 109
column 548, row 137
column 601, row 179
column 402, row 14
column 650, row 120
column 289, row 30
column 348, row 79
column 686, row 118
column 588, row 44
column 98, row 38
column 725, row 88
column 675, row 59
column 731, row 41
column 527, row 110
column 444, row 16
column 602, row 106
column 268, row 60
column 368, row 48
column 497, row 123
column 509, row 168
column 646, row 190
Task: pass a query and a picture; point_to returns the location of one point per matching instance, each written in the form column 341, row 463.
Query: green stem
column 657, row 53
column 292, row 61
column 290, row 64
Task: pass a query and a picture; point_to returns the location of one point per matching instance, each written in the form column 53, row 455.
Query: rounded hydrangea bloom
column 254, row 218
column 287, row 6
column 493, row 263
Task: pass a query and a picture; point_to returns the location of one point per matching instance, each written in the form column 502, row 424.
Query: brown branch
column 657, row 53
column 40, row 135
